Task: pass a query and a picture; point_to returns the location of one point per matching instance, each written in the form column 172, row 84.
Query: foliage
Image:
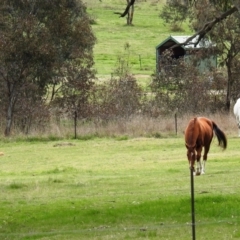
column 225, row 39
column 182, row 88
column 75, row 90
column 123, row 65
column 174, row 14
column 120, row 98
column 228, row 48
column 39, row 40
column 224, row 4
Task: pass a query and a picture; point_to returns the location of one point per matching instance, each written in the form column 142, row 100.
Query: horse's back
column 206, row 126
column 205, row 123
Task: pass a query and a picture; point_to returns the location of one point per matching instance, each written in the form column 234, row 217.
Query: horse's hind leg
column 206, row 150
column 203, row 167
column 199, row 165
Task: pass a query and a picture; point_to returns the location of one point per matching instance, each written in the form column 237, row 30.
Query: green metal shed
column 186, row 52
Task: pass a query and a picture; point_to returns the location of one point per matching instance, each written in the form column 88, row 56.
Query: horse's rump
column 199, row 130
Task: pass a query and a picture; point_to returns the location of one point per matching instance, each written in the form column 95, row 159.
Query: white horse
column 236, row 111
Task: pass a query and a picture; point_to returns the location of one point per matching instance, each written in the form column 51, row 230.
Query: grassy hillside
column 112, row 34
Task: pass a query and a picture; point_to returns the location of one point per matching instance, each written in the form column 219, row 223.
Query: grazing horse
column 198, row 135
column 236, row 111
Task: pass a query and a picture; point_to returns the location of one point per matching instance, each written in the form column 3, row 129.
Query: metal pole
column 140, row 61
column 192, row 204
column 75, row 124
column 176, row 123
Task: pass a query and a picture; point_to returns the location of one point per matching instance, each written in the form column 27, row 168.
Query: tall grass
column 135, row 126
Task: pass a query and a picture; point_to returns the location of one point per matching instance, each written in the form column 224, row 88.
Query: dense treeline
column 45, row 56
column 47, row 69
column 217, row 21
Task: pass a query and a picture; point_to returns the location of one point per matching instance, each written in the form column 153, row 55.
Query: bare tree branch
column 207, row 28
column 126, row 10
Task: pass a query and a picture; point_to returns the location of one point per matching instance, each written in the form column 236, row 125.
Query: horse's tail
column 222, row 140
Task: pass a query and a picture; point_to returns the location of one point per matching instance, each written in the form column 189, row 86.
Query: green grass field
column 109, row 189
column 112, row 34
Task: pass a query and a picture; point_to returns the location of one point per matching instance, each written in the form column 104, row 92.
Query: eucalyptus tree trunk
column 10, row 108
column 130, row 14
column 229, row 84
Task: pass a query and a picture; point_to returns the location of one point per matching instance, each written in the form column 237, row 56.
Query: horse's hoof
column 198, row 173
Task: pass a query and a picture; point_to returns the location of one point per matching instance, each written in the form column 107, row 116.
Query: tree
column 129, row 11
column 226, row 38
column 74, row 95
column 38, row 41
column 130, row 14
column 174, row 14
column 225, row 7
column 228, row 47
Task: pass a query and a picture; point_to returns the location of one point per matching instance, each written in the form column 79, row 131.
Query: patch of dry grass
column 133, row 127
column 141, row 126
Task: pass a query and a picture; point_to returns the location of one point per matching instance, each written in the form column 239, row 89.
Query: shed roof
column 204, row 43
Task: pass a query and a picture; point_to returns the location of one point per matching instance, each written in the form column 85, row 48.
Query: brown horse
column 199, row 134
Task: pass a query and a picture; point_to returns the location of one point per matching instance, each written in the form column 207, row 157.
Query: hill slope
column 113, row 34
